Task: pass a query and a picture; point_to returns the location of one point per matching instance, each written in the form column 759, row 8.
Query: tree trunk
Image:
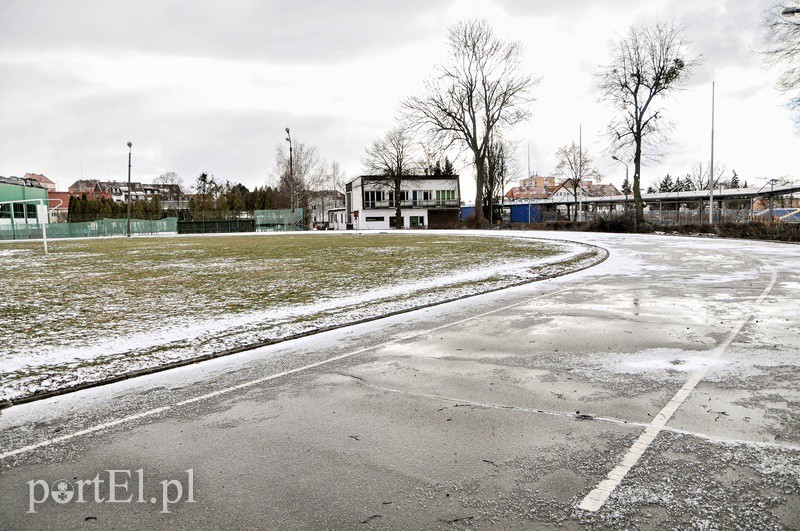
column 398, row 215
column 480, row 179
column 637, row 171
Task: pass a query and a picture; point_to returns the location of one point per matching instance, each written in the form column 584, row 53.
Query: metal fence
column 277, row 220
column 102, row 227
column 216, row 227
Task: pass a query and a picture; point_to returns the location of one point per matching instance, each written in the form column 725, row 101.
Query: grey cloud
column 312, row 31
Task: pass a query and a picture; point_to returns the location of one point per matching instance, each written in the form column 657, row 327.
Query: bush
column 787, row 232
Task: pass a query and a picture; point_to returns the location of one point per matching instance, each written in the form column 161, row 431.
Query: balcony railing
column 431, row 203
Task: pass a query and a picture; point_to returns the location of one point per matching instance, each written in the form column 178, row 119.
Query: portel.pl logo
column 111, row 486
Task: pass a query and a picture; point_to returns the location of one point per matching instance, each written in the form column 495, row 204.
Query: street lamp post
column 625, row 189
column 711, row 169
column 128, row 224
column 291, row 170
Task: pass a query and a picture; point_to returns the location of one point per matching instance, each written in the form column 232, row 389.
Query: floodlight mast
column 128, row 224
column 291, row 171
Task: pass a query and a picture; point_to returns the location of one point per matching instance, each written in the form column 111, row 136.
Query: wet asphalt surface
column 497, row 412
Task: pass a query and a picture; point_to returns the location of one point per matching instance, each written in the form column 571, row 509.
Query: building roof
column 21, row 181
column 404, row 178
column 694, row 195
column 38, row 177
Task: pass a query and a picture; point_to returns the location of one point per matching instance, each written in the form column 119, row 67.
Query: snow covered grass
column 98, row 307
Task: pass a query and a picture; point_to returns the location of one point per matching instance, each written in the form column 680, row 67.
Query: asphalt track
column 659, row 389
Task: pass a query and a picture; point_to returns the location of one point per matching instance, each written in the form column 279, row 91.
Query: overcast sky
column 209, row 86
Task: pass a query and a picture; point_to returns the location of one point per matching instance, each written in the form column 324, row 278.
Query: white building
column 426, row 201
column 319, row 204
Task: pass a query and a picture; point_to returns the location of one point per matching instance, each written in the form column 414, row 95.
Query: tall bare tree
column 307, row 172
column 783, row 26
column 647, row 63
column 576, row 166
column 481, row 88
column 700, row 175
column 393, row 156
column 175, row 183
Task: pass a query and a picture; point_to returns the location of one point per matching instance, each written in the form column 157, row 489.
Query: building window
column 371, row 197
column 375, row 218
column 427, row 195
column 31, row 210
column 19, row 210
column 403, row 197
column 416, row 221
column 5, row 211
column 444, row 197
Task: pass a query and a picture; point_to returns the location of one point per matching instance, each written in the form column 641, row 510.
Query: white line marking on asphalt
column 572, row 415
column 244, row 385
column 598, row 496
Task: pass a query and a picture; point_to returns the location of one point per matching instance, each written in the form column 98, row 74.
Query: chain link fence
column 88, row 229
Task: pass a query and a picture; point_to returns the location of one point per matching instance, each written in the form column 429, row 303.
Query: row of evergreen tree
column 213, row 201
column 687, row 184
column 84, row 209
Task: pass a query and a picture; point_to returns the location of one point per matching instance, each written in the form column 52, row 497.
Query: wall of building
column 24, row 214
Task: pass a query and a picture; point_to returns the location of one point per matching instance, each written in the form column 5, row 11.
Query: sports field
column 99, row 307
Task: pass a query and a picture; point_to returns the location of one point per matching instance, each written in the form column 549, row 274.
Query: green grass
column 99, row 288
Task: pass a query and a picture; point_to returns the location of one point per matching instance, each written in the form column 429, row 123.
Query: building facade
column 426, row 201
column 13, row 211
column 169, row 194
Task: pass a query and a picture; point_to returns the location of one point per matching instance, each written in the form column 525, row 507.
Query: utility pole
column 128, row 224
column 580, row 173
column 711, row 169
column 291, row 171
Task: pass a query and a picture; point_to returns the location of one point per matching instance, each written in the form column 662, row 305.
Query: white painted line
column 250, row 383
column 597, row 497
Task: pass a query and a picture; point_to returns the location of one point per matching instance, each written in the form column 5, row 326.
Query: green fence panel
column 271, row 220
column 89, row 229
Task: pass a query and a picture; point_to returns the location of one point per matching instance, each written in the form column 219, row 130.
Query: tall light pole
column 580, row 173
column 291, row 170
column 711, row 169
column 624, row 189
column 128, row 224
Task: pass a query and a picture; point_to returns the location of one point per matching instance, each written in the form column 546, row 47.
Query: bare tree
column 307, row 172
column 499, row 168
column 393, row 156
column 479, row 89
column 576, row 166
column 174, row 182
column 783, row 41
column 330, row 187
column 700, row 174
column 646, row 64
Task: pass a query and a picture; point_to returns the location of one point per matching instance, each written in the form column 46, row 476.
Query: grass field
column 99, row 306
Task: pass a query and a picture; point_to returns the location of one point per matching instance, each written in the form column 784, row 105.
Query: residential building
column 42, row 180
column 59, row 205
column 587, row 189
column 534, row 187
column 170, row 195
column 426, row 201
column 537, row 181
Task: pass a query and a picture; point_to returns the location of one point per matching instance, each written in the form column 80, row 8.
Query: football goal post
column 42, row 213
